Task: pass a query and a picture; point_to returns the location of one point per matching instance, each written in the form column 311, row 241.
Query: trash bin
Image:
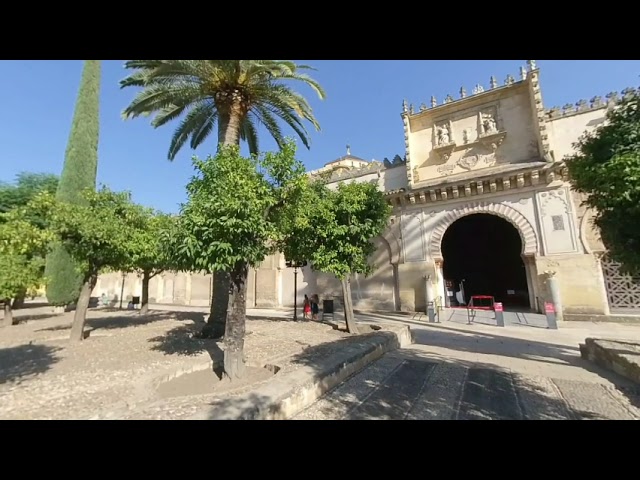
column 327, row 306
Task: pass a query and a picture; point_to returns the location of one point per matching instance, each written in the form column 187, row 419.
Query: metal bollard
column 431, row 312
column 550, row 312
column 499, row 311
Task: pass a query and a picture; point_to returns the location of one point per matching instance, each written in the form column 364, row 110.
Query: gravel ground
column 116, row 371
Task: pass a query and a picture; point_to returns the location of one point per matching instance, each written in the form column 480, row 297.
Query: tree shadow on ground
column 24, row 361
column 127, row 320
column 506, row 394
column 185, row 340
column 466, row 340
column 22, row 319
column 446, row 389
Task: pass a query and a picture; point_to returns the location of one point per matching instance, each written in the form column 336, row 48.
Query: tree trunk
column 8, row 313
column 348, row 305
column 234, row 366
column 18, row 301
column 228, row 134
column 220, row 302
column 144, row 301
column 77, row 329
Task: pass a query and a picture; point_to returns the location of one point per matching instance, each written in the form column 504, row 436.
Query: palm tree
column 237, row 95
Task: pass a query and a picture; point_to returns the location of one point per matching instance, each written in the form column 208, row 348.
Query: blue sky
column 363, row 105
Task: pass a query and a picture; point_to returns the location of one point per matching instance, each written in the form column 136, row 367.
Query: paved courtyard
column 460, row 371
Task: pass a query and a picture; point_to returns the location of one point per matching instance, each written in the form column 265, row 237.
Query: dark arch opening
column 482, row 256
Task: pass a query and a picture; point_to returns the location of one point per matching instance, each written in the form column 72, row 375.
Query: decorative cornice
column 491, row 183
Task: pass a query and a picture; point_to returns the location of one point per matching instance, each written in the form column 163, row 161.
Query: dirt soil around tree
column 139, row 367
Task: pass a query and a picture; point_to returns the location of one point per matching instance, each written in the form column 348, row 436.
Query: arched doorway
column 482, row 256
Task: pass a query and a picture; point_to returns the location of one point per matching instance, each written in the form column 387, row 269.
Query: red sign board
column 548, row 307
column 498, row 307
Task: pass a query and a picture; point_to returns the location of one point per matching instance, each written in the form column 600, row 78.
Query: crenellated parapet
column 374, row 166
column 409, row 110
column 582, row 106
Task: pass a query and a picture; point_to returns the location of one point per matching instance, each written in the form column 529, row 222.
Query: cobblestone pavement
column 481, row 372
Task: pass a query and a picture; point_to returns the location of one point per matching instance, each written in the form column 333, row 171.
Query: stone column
column 441, row 289
column 396, row 287
column 429, row 289
column 160, row 290
column 187, row 290
column 554, row 289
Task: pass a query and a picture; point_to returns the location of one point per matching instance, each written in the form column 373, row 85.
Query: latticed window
column 623, row 291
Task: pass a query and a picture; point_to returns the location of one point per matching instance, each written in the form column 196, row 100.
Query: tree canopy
column 97, row 234
column 237, row 95
column 26, row 186
column 606, row 169
column 334, row 231
column 23, row 247
column 233, row 220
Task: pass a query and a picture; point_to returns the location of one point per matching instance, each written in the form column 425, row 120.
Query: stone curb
column 607, row 354
column 624, row 319
column 283, row 397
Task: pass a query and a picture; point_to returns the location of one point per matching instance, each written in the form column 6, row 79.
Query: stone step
column 619, row 356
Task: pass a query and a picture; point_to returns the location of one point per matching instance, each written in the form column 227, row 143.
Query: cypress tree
column 79, row 172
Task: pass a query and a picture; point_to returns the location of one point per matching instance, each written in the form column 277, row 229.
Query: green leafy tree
column 235, row 96
column 606, row 170
column 26, row 186
column 334, row 229
column 79, row 173
column 98, row 235
column 17, row 195
column 232, row 221
column 23, row 246
column 149, row 254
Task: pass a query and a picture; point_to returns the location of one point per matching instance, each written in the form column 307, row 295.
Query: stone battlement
column 583, row 106
column 408, row 109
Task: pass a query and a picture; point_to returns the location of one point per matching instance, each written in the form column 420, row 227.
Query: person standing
column 306, row 308
column 314, row 307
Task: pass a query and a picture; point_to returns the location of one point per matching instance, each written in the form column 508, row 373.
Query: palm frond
column 193, row 122
column 171, row 88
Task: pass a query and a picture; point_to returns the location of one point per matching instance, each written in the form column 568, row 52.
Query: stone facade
column 494, row 151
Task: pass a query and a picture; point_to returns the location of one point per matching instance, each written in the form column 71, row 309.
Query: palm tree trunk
column 234, row 366
column 228, row 134
column 80, row 317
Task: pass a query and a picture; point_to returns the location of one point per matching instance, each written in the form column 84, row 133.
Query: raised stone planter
column 283, row 397
column 621, row 357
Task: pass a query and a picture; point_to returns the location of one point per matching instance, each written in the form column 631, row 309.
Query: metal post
column 295, row 294
column 124, row 275
column 550, row 312
column 431, row 313
column 499, row 311
column 554, row 288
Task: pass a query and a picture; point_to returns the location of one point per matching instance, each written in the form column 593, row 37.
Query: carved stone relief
column 555, row 211
column 443, row 134
column 488, row 121
column 553, row 196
